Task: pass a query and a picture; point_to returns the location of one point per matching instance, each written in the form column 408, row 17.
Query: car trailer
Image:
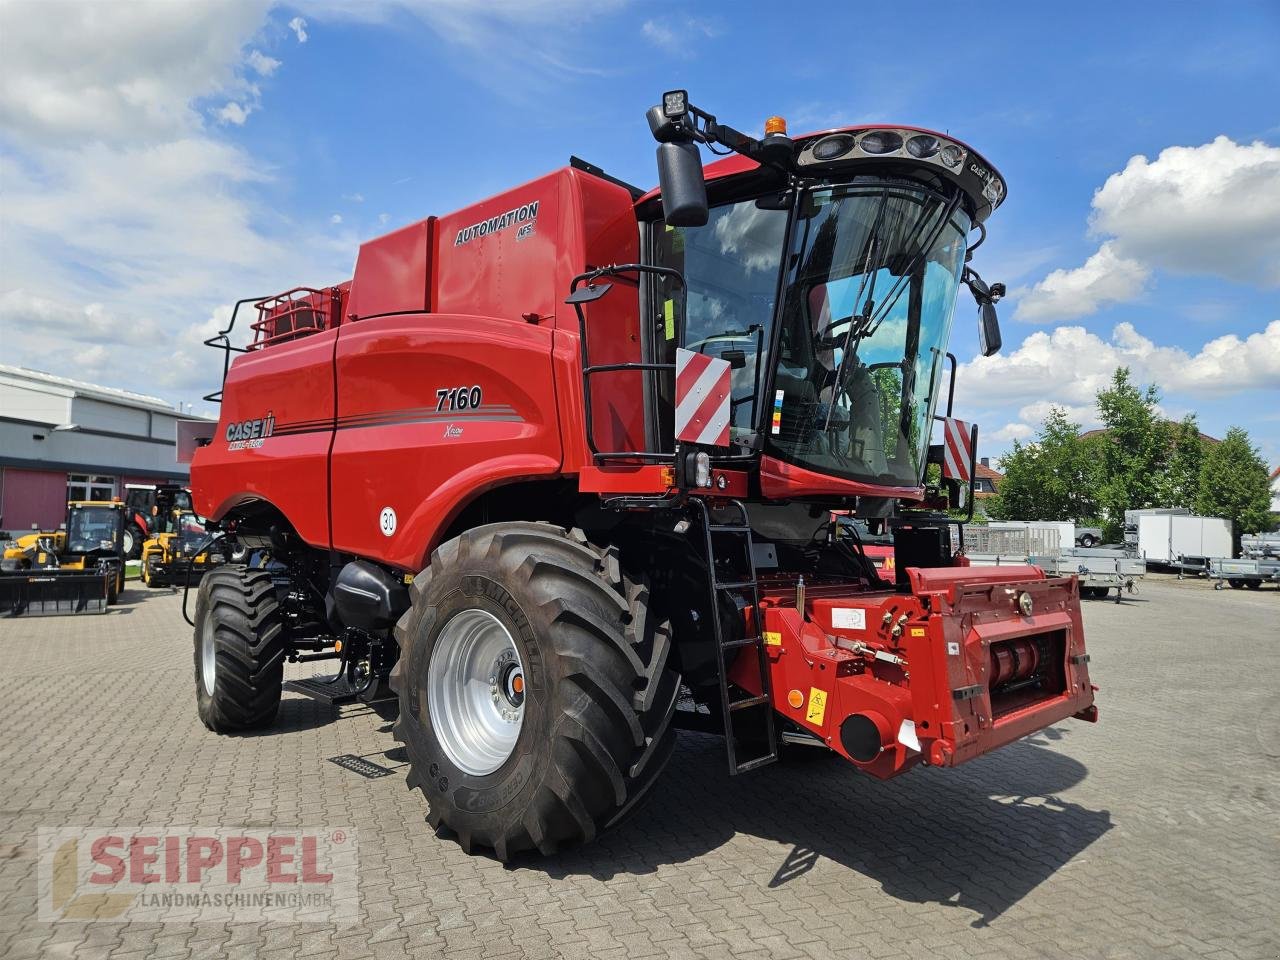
column 1244, row 572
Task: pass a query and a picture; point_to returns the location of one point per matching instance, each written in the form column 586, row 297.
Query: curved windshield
column 93, row 528
column 865, row 322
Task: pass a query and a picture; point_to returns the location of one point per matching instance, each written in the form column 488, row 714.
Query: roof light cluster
column 908, row 144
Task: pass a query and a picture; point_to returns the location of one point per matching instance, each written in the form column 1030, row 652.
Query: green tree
column 1180, row 484
column 1135, row 448
column 1051, row 478
column 1234, row 484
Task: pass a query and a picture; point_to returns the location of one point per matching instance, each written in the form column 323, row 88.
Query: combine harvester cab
column 581, row 463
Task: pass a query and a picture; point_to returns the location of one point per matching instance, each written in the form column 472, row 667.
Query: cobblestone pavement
column 1152, row 834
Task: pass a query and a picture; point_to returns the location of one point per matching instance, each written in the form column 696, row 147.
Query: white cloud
column 1104, row 278
column 674, row 34
column 383, row 217
column 1013, row 431
column 336, row 218
column 299, row 28
column 261, row 64
column 1212, row 209
column 1207, row 210
column 117, row 72
column 353, row 197
column 125, row 213
column 1067, row 366
column 234, row 113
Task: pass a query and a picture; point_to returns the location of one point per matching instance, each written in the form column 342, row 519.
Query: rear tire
column 239, row 650
column 1236, row 584
column 599, row 691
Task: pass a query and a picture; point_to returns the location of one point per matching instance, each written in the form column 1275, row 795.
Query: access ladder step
column 734, row 584
column 756, row 762
column 735, row 705
column 735, row 644
column 728, row 528
column 333, row 692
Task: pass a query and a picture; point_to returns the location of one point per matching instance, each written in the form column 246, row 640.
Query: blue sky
column 159, row 161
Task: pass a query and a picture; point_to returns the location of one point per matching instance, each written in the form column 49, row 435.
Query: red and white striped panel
column 703, row 389
column 957, row 444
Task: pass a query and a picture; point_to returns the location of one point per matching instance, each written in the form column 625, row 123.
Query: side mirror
column 988, row 329
column 684, row 191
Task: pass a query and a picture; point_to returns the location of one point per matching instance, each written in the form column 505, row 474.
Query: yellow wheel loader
column 76, row 569
column 179, row 555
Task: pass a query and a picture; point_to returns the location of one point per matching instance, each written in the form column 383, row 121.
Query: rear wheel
column 150, row 573
column 536, row 693
column 239, row 650
column 1236, row 584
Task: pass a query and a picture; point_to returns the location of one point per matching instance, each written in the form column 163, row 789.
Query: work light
column 675, row 104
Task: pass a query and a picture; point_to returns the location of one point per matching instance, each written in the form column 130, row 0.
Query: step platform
column 333, row 692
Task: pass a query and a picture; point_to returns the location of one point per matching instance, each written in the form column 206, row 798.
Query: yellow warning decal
column 817, row 706
column 772, row 638
column 917, row 631
column 669, row 316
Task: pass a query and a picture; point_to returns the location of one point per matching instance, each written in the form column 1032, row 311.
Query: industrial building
column 62, row 439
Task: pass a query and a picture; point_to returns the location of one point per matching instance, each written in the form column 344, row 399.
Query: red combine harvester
column 561, row 467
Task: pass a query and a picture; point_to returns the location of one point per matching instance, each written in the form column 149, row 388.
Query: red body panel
column 399, row 445
column 780, row 480
column 290, row 384
column 472, row 299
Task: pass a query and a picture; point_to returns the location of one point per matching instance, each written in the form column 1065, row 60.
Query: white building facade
column 63, row 439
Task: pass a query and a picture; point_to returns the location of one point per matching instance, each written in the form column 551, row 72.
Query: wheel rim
column 476, row 692
column 208, row 662
column 127, row 543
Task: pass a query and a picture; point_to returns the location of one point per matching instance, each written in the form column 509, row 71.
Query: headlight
column 702, row 470
column 831, row 147
column 879, row 142
column 923, row 146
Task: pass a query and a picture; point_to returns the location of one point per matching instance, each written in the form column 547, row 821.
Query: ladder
column 745, row 717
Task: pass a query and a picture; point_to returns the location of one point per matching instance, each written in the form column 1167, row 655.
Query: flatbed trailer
column 1099, row 570
column 1251, row 572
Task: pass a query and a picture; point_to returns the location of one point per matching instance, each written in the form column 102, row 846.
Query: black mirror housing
column 989, row 341
column 684, row 191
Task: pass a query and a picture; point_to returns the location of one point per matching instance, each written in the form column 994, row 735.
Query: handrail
column 589, row 279
column 222, row 341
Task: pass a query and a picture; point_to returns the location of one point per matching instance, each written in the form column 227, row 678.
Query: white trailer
column 1183, row 541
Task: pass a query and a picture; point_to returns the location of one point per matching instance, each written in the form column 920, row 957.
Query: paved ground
column 1152, row 834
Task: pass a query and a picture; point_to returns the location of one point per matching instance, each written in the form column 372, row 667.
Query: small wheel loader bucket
column 48, row 593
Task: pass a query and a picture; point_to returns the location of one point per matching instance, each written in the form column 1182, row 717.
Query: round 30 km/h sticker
column 387, row 521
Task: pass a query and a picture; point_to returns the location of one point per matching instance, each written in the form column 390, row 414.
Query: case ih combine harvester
column 561, row 464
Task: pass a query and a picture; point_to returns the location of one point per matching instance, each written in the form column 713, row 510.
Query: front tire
column 239, row 650
column 569, row 631
column 149, row 574
column 132, row 541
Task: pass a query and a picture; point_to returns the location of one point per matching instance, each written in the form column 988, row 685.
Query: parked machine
column 77, row 569
column 559, row 463
column 149, row 508
column 181, row 555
